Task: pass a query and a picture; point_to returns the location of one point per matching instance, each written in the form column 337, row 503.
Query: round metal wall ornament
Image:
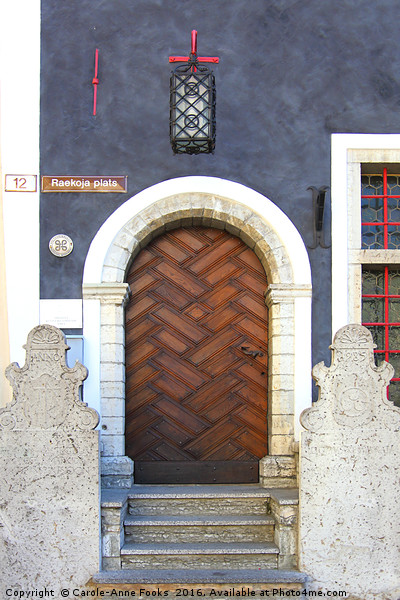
column 61, row 245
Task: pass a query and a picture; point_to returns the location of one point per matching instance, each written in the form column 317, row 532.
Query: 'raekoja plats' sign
column 52, row 183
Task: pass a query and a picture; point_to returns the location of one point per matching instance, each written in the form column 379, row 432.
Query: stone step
column 198, row 500
column 204, row 583
column 201, row 528
column 200, row 556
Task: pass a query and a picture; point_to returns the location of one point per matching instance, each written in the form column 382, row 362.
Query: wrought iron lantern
column 192, row 104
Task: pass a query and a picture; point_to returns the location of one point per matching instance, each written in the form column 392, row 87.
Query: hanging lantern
column 192, row 104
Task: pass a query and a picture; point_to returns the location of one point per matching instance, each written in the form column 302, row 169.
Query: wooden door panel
column 221, row 272
column 182, row 279
column 181, row 415
column 183, row 371
column 214, row 255
column 212, row 392
column 175, row 297
column 196, row 395
column 213, row 348
column 171, row 387
column 181, row 325
column 224, row 406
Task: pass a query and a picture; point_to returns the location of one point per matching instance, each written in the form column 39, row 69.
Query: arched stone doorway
column 208, row 202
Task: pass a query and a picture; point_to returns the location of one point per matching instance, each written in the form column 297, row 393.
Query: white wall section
column 20, row 105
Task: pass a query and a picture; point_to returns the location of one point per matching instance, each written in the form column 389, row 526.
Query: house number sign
column 20, row 183
column 61, row 245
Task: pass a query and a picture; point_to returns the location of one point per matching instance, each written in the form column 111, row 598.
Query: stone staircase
column 191, row 530
column 199, row 535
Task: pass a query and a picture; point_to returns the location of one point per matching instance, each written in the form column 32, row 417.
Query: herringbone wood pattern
column 193, row 391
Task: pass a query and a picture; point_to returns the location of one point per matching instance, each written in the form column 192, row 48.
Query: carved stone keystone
column 350, row 475
column 49, row 472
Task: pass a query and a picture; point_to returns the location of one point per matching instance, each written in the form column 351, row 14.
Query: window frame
column 349, row 153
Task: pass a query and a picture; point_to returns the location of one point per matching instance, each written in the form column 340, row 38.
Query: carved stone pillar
column 116, row 468
column 278, row 469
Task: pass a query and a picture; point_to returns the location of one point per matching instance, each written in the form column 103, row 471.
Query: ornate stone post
column 49, row 471
column 350, row 474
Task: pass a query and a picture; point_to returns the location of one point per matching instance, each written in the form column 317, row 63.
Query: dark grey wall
column 290, row 74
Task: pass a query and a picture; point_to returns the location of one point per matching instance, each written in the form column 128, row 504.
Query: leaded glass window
column 381, row 314
column 380, row 211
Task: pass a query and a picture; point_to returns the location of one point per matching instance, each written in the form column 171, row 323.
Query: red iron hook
column 205, row 59
column 194, row 41
column 95, row 81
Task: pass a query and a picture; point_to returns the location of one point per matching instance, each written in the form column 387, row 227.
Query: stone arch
column 266, row 230
column 198, row 209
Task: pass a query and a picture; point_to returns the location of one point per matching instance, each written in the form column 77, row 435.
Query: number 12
column 20, row 183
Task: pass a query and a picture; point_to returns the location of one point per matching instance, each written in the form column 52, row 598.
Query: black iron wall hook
column 318, row 196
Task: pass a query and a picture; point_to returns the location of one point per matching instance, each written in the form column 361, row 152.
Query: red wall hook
column 95, row 81
column 206, row 59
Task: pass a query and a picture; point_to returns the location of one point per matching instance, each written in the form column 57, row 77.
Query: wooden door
column 196, row 360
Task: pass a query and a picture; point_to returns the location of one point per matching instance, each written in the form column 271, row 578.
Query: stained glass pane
column 372, row 210
column 371, row 184
column 393, row 185
column 394, row 310
column 379, row 358
column 393, row 205
column 394, row 360
column 373, row 310
column 394, row 392
column 378, row 335
column 373, row 281
column 393, row 237
column 372, row 237
column 394, row 282
column 394, row 338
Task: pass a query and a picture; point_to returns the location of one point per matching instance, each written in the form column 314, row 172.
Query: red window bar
column 386, row 324
column 389, row 300
column 386, row 222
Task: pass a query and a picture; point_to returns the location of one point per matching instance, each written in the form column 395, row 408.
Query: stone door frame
column 211, row 202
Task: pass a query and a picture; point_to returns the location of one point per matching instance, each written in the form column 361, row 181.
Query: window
column 381, row 314
column 380, row 221
column 366, row 240
column 380, row 211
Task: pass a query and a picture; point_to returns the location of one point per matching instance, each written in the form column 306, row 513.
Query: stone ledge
column 198, row 491
column 286, row 496
column 286, row 292
column 210, row 548
column 107, row 292
column 113, row 498
column 201, row 520
column 198, row 576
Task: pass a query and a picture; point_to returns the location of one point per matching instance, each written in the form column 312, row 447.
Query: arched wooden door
column 196, row 360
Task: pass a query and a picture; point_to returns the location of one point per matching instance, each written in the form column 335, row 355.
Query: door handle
column 253, row 353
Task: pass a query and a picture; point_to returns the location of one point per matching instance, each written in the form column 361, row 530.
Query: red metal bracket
column 95, row 81
column 205, row 59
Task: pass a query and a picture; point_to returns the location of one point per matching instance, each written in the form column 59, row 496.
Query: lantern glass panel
column 192, row 110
